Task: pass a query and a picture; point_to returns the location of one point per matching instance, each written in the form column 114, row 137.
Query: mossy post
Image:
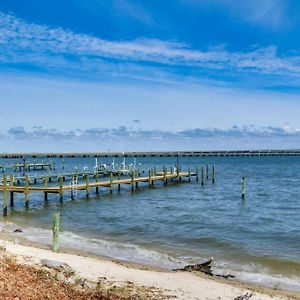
column 26, row 191
column 56, row 229
column 11, row 183
column 4, row 181
column 213, row 174
column 243, row 187
column 202, row 175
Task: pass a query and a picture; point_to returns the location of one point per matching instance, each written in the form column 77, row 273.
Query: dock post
column 132, row 181
column 149, row 180
column 197, row 173
column 11, row 183
column 56, row 229
column 26, row 191
column 45, row 185
column 119, row 178
column 4, row 182
column 61, row 190
column 243, row 187
column 154, row 171
column 136, row 176
column 213, row 174
column 111, row 182
column 206, row 171
column 189, row 174
column 87, row 185
column 202, row 175
column 165, row 174
column 97, row 179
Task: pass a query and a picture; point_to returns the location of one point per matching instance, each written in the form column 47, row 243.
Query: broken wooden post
column 243, row 187
column 56, row 229
column 4, row 182
column 11, row 183
column 26, row 191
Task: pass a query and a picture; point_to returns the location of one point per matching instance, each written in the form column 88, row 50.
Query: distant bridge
column 272, row 152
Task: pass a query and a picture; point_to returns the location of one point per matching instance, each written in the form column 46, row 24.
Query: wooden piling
column 213, row 174
column 119, row 177
column 4, row 180
column 97, row 179
column 132, row 181
column 202, row 175
column 45, row 185
column 165, row 175
column 243, row 187
column 87, row 183
column 11, row 183
column 189, row 174
column 149, row 178
column 61, row 190
column 111, row 180
column 197, row 173
column 26, row 191
column 56, row 230
column 136, row 175
column 206, row 171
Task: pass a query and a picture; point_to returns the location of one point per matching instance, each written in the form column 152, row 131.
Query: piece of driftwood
column 244, row 297
column 204, row 267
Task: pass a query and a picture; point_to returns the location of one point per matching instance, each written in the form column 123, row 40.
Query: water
column 258, row 239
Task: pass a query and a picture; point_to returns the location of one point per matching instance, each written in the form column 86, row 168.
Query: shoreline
column 171, row 284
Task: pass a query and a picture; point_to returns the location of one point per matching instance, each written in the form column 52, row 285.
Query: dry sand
column 172, row 285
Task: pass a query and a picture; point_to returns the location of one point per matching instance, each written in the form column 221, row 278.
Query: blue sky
column 124, row 75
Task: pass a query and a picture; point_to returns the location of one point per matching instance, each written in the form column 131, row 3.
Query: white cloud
column 22, row 42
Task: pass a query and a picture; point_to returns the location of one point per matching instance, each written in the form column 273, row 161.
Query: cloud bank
column 23, row 42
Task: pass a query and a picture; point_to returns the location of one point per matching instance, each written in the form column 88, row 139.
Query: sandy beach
column 159, row 284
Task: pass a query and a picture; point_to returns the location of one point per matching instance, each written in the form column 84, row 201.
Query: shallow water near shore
column 258, row 239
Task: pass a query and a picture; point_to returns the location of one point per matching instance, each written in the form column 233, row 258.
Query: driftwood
column 204, row 267
column 244, row 297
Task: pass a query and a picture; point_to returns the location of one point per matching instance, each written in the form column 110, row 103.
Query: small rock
column 18, row 230
column 57, row 265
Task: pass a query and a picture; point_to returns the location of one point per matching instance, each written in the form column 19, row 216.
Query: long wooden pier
column 134, row 180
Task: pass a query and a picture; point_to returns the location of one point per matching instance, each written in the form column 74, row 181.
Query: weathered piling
column 26, row 191
column 149, row 176
column 96, row 180
column 132, row 181
column 111, row 180
column 243, row 187
column 206, row 171
column 165, row 175
column 197, row 173
column 4, row 180
column 61, row 190
column 136, row 176
column 56, row 229
column 87, row 183
column 202, row 175
column 45, row 186
column 119, row 178
column 213, row 174
column 189, row 171
column 11, row 184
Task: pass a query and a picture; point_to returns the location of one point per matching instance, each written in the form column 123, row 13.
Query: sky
column 120, row 75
